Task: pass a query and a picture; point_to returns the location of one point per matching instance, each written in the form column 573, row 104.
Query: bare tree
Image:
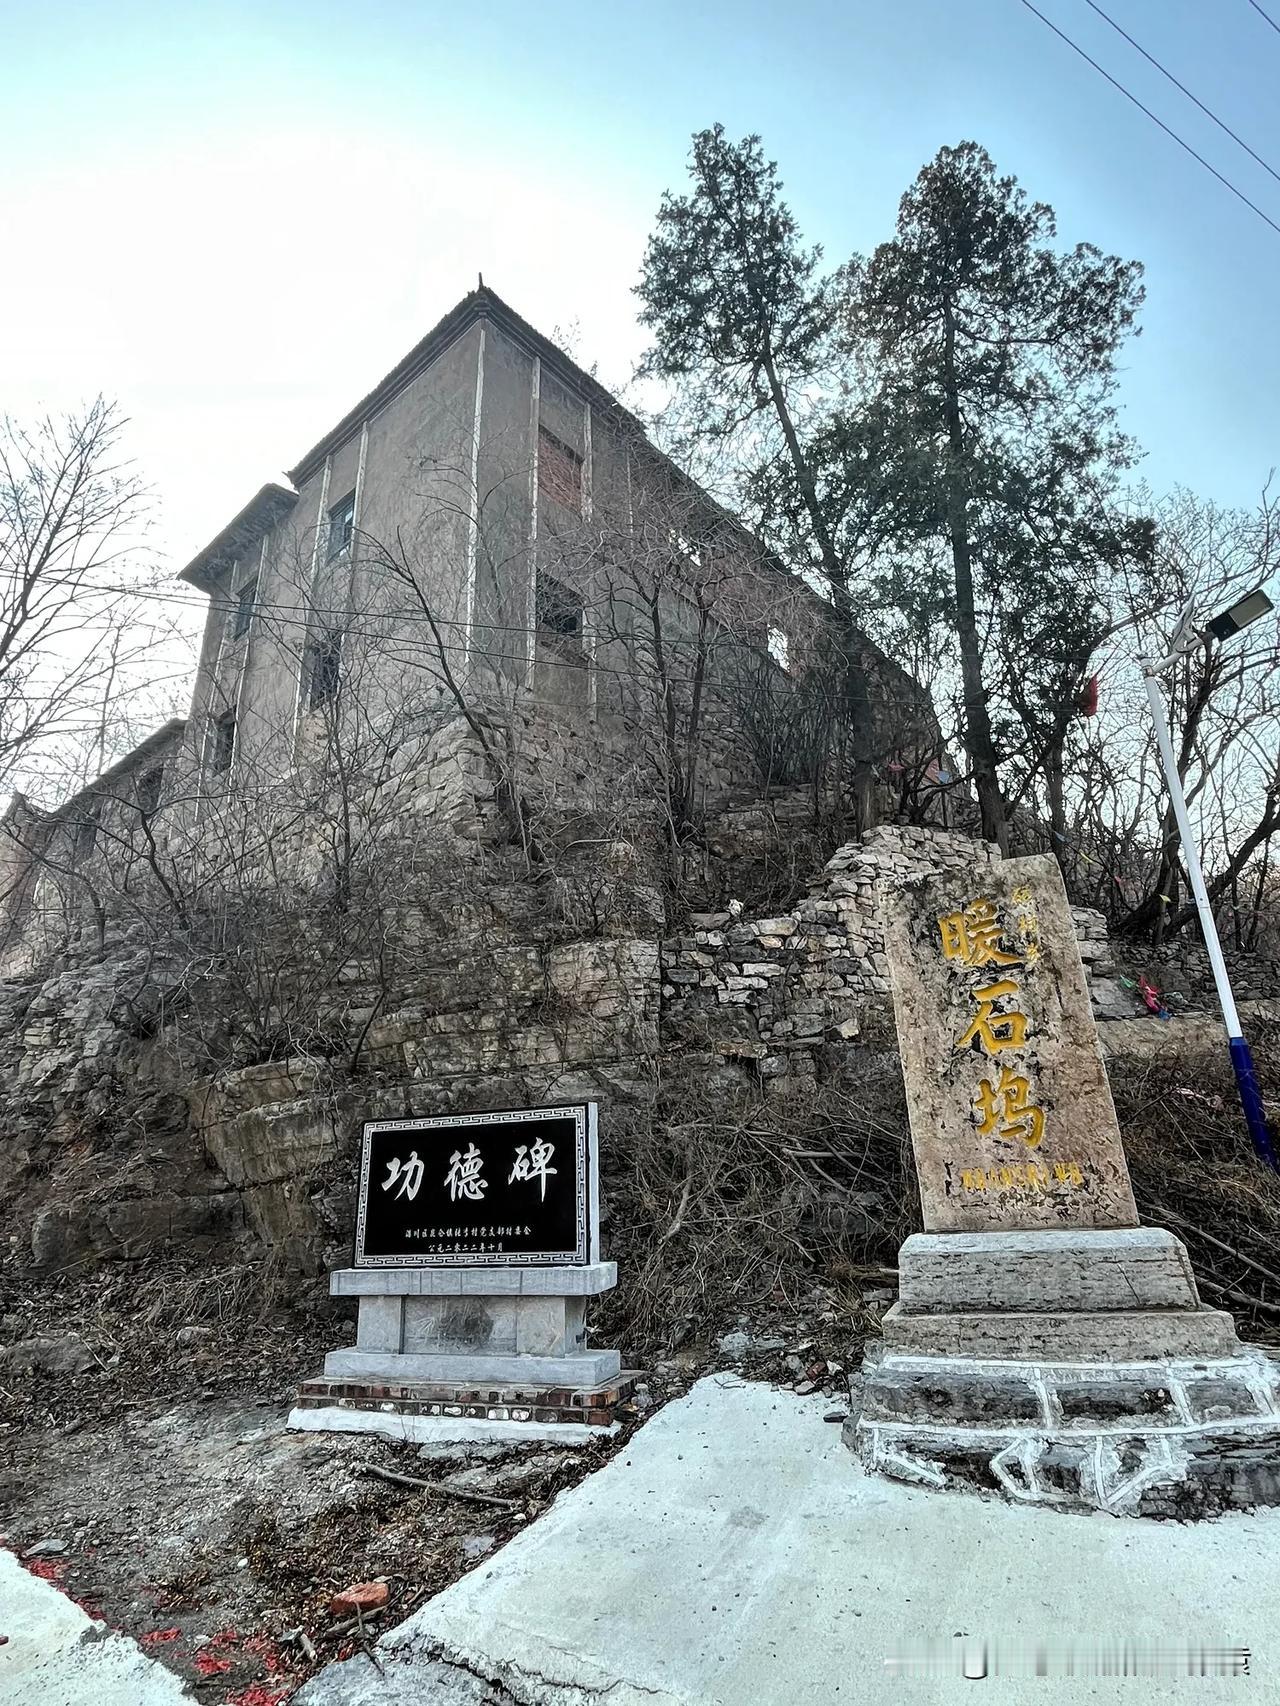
column 73, row 515
column 1224, row 711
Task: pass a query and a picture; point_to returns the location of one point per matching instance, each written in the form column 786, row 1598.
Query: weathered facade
column 491, row 523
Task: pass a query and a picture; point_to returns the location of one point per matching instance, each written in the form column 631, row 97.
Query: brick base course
column 592, row 1407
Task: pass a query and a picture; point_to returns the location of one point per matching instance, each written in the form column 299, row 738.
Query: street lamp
column 1222, row 627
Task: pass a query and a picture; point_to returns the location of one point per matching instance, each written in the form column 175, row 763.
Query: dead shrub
column 725, row 1203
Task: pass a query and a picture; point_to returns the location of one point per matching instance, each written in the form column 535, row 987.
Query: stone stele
column 1012, row 1121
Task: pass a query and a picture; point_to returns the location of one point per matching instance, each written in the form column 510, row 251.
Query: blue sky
column 235, row 218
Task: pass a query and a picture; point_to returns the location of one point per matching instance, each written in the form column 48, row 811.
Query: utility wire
column 268, row 614
column 1130, row 96
column 1165, row 72
column 1258, row 9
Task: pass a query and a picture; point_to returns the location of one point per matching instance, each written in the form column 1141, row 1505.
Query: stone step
column 580, row 1369
column 1140, row 1267
column 1114, row 1335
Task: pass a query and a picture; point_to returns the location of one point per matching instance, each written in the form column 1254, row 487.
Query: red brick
column 363, row 1597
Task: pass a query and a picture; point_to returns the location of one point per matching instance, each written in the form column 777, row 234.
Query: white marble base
column 582, row 1369
column 443, row 1430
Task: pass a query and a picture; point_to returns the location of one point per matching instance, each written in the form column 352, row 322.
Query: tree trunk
column 1053, row 783
column 1152, row 913
column 978, row 738
column 857, row 696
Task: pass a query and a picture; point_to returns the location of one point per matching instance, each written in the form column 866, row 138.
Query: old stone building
column 490, row 522
column 489, row 702
column 485, row 579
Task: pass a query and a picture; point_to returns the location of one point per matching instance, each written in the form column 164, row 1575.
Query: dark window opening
column 559, row 470
column 559, row 611
column 324, row 669
column 149, row 786
column 224, row 741
column 244, row 608
column 86, row 833
column 342, row 524
column 561, row 674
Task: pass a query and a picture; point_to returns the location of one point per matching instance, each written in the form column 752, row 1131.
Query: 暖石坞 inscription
column 1012, row 1122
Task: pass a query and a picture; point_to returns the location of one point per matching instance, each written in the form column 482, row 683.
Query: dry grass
column 1194, row 1170
column 724, row 1205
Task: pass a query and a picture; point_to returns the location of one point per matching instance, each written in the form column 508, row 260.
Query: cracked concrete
column 56, row 1655
column 734, row 1554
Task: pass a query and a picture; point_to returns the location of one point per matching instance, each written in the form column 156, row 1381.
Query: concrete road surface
column 735, row 1555
column 56, row 1655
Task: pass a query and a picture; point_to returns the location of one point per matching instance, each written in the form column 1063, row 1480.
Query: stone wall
column 776, row 990
column 115, row 1139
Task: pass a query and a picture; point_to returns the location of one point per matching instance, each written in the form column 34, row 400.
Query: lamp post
column 1222, row 627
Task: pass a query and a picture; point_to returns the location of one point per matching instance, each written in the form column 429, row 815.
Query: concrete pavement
column 56, row 1655
column 735, row 1555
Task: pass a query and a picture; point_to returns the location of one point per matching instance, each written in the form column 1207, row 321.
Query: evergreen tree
column 992, row 362
column 742, row 319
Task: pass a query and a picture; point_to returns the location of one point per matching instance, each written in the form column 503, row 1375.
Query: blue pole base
column 1251, row 1098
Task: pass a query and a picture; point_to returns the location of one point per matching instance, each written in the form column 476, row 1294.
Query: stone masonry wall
column 108, row 1148
column 775, row 990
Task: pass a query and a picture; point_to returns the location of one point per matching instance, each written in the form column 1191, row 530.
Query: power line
column 269, row 615
column 1165, row 72
column 1130, row 96
column 1258, row 9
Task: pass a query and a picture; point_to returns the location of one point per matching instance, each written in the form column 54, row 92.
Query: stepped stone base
column 1139, row 1267
column 469, row 1345
column 1169, row 1437
column 1077, row 1369
column 1064, row 1336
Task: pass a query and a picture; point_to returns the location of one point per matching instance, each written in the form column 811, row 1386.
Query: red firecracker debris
column 154, row 1637
column 266, row 1652
column 208, row 1665
column 258, row 1695
column 361, row 1597
column 48, row 1569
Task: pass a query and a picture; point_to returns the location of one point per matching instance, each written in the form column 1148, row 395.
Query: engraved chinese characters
column 511, row 1186
column 1011, row 1115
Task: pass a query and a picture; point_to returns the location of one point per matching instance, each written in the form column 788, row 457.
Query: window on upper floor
column 84, row 835
column 324, row 668
column 222, row 733
column 245, row 602
column 559, row 470
column 342, row 524
column 559, row 611
column 148, row 789
column 561, row 672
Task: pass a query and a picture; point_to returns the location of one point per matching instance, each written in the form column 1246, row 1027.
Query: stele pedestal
column 476, row 1256
column 1044, row 1346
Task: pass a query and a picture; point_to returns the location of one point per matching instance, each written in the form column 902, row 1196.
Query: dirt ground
column 162, row 1491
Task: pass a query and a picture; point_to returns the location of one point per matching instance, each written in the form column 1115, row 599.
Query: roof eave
column 240, row 534
column 479, row 304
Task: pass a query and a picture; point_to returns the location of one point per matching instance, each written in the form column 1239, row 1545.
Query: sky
column 235, row 219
